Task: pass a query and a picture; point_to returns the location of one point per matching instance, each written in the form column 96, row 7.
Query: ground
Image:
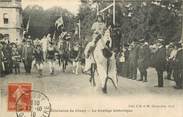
column 65, row 86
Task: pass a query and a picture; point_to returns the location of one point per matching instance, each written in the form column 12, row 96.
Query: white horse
column 106, row 67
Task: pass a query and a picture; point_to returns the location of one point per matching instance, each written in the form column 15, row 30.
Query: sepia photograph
column 91, row 58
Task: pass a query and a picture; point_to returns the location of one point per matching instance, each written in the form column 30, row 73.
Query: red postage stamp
column 18, row 98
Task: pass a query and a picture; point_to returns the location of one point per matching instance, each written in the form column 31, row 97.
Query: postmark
column 40, row 105
column 15, row 90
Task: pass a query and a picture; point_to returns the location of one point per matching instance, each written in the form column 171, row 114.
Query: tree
column 149, row 19
column 87, row 16
column 43, row 21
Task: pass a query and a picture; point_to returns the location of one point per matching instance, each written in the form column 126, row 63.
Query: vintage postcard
column 91, row 58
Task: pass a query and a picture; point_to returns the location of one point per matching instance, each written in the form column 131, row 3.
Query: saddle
column 107, row 53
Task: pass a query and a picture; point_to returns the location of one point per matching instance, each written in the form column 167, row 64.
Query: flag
column 77, row 28
column 59, row 22
column 54, row 36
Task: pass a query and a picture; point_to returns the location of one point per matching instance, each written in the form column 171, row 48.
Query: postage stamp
column 15, row 91
column 40, row 105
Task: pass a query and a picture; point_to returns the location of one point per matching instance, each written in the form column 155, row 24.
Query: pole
column 79, row 29
column 111, row 5
column 114, row 8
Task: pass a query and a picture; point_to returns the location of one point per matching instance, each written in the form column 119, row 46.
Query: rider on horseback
column 98, row 29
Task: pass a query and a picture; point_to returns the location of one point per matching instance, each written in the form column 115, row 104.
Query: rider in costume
column 98, row 29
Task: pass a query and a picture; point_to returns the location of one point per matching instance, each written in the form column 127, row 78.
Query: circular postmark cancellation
column 36, row 106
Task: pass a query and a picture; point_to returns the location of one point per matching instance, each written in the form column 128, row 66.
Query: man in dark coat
column 178, row 67
column 7, row 50
column 169, row 60
column 160, row 61
column 143, row 60
column 27, row 56
column 133, row 57
column 39, row 58
column 1, row 56
column 2, row 68
column 123, row 66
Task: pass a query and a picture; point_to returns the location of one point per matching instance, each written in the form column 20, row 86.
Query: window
column 5, row 18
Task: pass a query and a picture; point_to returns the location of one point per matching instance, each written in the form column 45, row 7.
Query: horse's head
column 107, row 37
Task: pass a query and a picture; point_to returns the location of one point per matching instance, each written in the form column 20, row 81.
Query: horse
column 105, row 61
column 90, row 64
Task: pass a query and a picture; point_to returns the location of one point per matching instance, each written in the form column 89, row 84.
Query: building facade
column 11, row 19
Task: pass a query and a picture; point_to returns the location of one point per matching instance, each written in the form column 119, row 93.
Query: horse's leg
column 113, row 82
column 92, row 79
column 112, row 72
column 103, row 76
column 104, row 89
column 94, row 68
column 91, row 74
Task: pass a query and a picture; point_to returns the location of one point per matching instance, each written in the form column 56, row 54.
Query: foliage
column 149, row 19
column 87, row 17
column 43, row 21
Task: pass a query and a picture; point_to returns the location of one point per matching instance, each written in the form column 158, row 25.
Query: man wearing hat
column 160, row 61
column 123, row 61
column 36, row 42
column 2, row 68
column 178, row 67
column 27, row 56
column 16, row 58
column 133, row 57
column 7, row 50
column 6, row 38
column 143, row 60
column 170, row 56
column 1, row 36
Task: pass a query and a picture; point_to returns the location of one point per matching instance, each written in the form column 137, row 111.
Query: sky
column 70, row 5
